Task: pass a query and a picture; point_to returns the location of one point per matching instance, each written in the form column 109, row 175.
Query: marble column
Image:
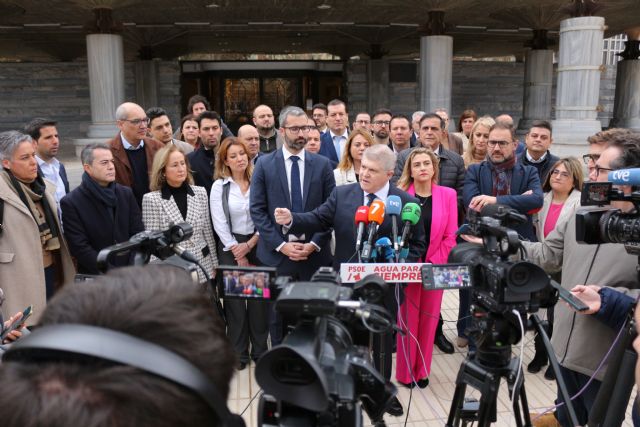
column 538, row 82
column 436, row 67
column 377, row 79
column 147, row 83
column 105, row 58
column 578, row 90
column 626, row 107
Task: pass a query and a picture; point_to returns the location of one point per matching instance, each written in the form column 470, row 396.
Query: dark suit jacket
column 124, row 174
column 338, row 212
column 480, row 181
column 89, row 227
column 63, row 176
column 202, row 163
column 270, row 190
column 327, row 149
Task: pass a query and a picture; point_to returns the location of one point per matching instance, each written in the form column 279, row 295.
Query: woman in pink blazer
column 420, row 311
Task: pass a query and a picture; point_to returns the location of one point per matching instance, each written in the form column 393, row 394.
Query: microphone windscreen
column 362, row 215
column 376, row 212
column 383, row 242
column 411, row 212
column 393, row 205
column 495, row 209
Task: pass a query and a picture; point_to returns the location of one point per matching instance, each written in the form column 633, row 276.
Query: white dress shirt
column 51, row 171
column 241, row 222
column 287, row 165
column 343, row 141
column 380, row 194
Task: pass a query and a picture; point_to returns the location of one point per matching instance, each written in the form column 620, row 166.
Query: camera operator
column 580, row 342
column 154, row 303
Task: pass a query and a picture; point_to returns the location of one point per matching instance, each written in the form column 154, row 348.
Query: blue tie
column 296, row 191
column 336, row 145
column 371, row 197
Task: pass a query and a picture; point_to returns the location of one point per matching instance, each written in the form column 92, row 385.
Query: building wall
column 61, row 91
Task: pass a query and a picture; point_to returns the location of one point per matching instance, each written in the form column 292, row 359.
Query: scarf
column 501, row 174
column 31, row 195
column 106, row 195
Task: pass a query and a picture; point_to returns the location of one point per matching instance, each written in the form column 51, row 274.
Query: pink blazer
column 444, row 223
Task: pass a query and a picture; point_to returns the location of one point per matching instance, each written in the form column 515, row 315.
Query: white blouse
column 241, row 222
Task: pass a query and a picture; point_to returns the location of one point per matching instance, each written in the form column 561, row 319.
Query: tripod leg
column 487, row 414
column 520, row 403
column 457, row 402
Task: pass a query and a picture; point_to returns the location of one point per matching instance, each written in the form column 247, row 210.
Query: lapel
column 281, row 172
column 119, row 153
column 486, row 179
column 12, row 198
column 546, row 204
column 308, row 171
column 171, row 209
column 192, row 211
column 437, row 213
column 516, row 179
column 354, row 200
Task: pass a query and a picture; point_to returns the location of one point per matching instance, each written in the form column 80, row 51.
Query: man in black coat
column 202, row 161
column 100, row 212
column 538, row 140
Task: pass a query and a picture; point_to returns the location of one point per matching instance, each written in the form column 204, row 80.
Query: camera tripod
column 492, row 362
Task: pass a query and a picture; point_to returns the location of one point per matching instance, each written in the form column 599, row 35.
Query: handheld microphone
column 385, row 249
column 394, row 208
column 625, row 177
column 410, row 216
column 376, row 216
column 361, row 219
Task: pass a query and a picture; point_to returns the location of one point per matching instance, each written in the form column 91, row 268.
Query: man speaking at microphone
column 338, row 212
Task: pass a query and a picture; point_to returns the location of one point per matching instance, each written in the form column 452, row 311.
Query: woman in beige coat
column 34, row 258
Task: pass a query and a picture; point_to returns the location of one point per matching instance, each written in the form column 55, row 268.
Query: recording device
column 375, row 217
column 607, row 225
column 567, row 296
column 439, row 277
column 361, row 220
column 255, row 283
column 394, row 209
column 17, row 323
column 317, row 376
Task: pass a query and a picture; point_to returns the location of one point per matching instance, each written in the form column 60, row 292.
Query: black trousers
column 248, row 320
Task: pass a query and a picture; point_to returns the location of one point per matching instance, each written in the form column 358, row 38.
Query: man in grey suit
column 301, row 181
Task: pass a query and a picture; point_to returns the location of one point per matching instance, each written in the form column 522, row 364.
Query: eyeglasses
column 598, row 169
column 502, row 144
column 561, row 174
column 382, row 122
column 138, row 122
column 590, row 157
column 296, row 129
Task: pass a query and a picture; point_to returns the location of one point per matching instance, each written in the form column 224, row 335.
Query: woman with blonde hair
column 174, row 199
column 476, row 151
column 237, row 240
column 349, row 166
column 420, row 311
column 561, row 199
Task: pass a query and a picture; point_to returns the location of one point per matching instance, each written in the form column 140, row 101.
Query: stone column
column 626, row 107
column 538, row 82
column 378, row 79
column 436, row 65
column 577, row 96
column 147, row 83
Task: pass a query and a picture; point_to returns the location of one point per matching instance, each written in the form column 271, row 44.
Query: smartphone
column 568, row 297
column 17, row 323
column 255, row 283
column 437, row 277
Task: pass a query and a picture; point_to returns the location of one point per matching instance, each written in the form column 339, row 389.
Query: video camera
column 317, row 376
column 607, row 225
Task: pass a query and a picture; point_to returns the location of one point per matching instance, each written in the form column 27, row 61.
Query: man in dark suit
column 297, row 179
column 45, row 134
column 202, row 160
column 338, row 212
column 400, row 134
column 333, row 141
column 501, row 179
column 538, row 140
column 100, row 212
column 132, row 150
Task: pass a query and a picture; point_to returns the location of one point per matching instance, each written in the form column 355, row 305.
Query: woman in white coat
column 349, row 166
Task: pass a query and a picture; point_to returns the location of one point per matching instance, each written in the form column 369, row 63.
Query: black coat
column 89, row 227
column 543, row 168
column 202, row 164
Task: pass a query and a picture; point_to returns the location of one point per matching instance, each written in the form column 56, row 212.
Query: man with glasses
column 132, row 150
column 319, row 114
column 299, row 180
column 380, row 126
column 598, row 143
column 363, row 120
column 580, row 342
column 501, row 179
column 334, row 140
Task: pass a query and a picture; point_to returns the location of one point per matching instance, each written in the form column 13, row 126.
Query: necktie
column 296, row 191
column 371, row 198
column 336, row 145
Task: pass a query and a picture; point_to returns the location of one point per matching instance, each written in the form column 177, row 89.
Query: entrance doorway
column 234, row 93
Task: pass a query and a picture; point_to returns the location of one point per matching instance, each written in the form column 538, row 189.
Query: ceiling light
column 324, row 6
column 213, row 5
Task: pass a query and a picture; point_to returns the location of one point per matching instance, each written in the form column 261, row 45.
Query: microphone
column 410, row 216
column 184, row 254
column 376, row 216
column 625, row 177
column 394, row 208
column 361, row 219
column 385, row 249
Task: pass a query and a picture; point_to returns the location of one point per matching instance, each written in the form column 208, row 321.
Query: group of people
column 286, row 198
